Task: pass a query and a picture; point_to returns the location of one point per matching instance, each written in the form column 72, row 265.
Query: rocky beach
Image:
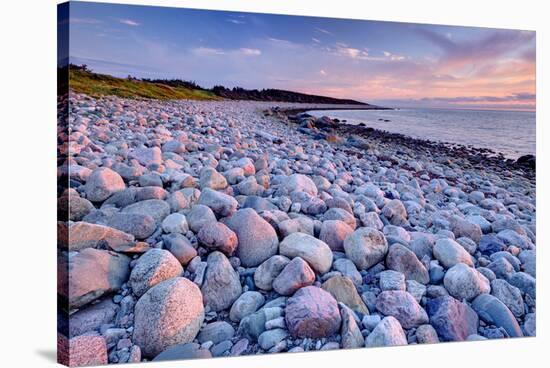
column 196, row 229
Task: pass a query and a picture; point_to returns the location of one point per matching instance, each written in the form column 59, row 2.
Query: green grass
column 98, row 85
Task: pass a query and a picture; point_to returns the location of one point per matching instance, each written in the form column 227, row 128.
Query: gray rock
column 395, row 212
column 248, row 303
column 403, row 307
column 300, row 224
column 387, row 333
column 102, row 183
column 448, row 252
column 453, row 320
column 464, row 282
column 294, row 276
column 198, row 216
column 139, row 225
column 509, row 295
column 92, row 317
column 403, row 260
column 269, row 339
column 220, row 203
column 268, row 271
column 216, row 332
column 257, row 240
column 180, row 247
column 416, row 289
column 347, row 268
column 493, row 311
column 169, row 313
column 314, row 251
column 217, row 236
column 351, row 334
column 210, row 178
column 392, row 280
column 333, row 232
column 340, row 215
column 365, row 247
column 175, row 223
column 426, row 334
column 152, row 268
column 155, row 208
column 525, row 282
column 183, row 351
column 221, row 286
column 312, row 312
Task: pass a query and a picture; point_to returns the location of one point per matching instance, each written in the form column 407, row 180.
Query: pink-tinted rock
column 294, row 276
column 333, row 232
column 93, row 273
column 169, row 313
column 218, row 236
column 87, row 350
column 312, row 312
column 85, row 235
column 102, row 183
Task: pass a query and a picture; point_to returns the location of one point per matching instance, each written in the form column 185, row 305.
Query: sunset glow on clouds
column 394, row 64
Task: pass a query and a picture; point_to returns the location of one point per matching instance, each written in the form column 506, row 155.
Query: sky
column 385, row 63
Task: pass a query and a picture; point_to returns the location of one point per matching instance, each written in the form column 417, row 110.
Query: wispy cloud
column 315, row 40
column 322, row 72
column 322, row 30
column 129, row 22
column 250, row 52
column 210, row 51
column 235, row 21
column 85, row 20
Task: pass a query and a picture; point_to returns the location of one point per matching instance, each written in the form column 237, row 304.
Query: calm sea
column 509, row 132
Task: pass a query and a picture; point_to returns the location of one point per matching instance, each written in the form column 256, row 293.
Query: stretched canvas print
column 241, row 183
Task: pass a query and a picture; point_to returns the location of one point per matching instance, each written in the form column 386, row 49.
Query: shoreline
column 478, row 157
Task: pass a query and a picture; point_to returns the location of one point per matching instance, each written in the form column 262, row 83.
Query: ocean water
column 509, row 132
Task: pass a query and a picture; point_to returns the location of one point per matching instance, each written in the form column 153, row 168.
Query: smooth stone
column 387, row 333
column 175, row 223
column 92, row 317
column 402, row 306
column 139, row 225
column 453, row 320
column 294, row 276
column 155, row 266
column 92, row 273
column 169, row 313
column 155, row 208
column 403, row 260
column 525, row 282
column 366, row 247
column 248, row 303
column 198, row 216
column 217, row 236
column 221, row 285
column 183, row 351
column 257, row 240
column 449, row 253
column 347, row 268
column 392, row 280
column 344, row 291
column 296, row 225
column 340, row 215
column 334, row 232
column 426, row 334
column 85, row 235
column 270, row 338
column 266, row 273
column 350, row 331
column 216, row 332
column 314, row 251
column 180, row 247
column 312, row 312
column 493, row 311
column 102, row 183
column 464, row 282
column 509, row 295
column 220, row 203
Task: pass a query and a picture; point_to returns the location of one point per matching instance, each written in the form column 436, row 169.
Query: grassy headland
column 83, row 80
